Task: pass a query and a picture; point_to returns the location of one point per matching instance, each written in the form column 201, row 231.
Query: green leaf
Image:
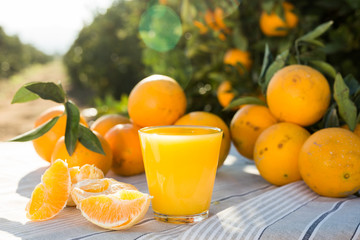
column 90, row 140
column 317, row 43
column 313, row 55
column 324, row 67
column 347, row 108
column 37, row 132
column 244, row 100
column 72, row 126
column 240, row 41
column 317, row 32
column 186, row 12
column 279, row 10
column 279, row 63
column 353, row 84
column 331, row 118
column 23, row 95
column 267, row 6
column 47, row 90
column 266, row 62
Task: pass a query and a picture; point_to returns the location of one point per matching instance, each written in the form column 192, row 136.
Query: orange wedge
column 93, row 187
column 84, row 172
column 120, row 210
column 50, row 196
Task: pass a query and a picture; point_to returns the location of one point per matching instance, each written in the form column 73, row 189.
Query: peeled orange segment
column 120, row 210
column 79, row 174
column 93, row 187
column 50, row 196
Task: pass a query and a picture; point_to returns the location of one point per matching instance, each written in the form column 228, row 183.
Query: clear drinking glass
column 180, row 166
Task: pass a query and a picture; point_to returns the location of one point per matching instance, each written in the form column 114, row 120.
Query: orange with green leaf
column 57, row 124
column 44, row 145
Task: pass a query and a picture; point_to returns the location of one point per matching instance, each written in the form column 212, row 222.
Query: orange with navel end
column 276, row 152
column 236, row 56
column 125, row 145
column 103, row 124
column 274, row 26
column 120, row 210
column 50, row 196
column 246, row 126
column 329, row 162
column 82, row 155
column 298, row 94
column 211, row 120
column 156, row 100
column 45, row 144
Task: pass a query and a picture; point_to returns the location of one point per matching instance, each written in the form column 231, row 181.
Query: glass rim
column 216, row 129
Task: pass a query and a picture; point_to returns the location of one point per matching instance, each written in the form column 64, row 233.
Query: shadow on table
column 11, row 227
column 27, row 184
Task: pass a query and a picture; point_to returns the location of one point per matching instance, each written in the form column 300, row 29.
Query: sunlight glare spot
column 251, row 169
column 160, row 28
column 230, row 160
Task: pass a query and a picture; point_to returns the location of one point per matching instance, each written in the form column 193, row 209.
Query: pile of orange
column 283, row 150
column 79, row 179
column 156, row 100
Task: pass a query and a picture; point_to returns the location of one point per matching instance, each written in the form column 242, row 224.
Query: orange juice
column 180, row 166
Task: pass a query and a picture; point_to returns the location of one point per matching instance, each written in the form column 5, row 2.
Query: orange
column 120, row 210
column 298, row 94
column 356, row 130
column 210, row 20
column 50, row 196
column 225, row 93
column 202, row 28
column 82, row 155
column 78, row 174
column 219, row 19
column 210, row 120
column 272, row 25
column 94, row 187
column 276, row 152
column 125, row 145
column 45, row 144
column 156, row 100
column 329, row 162
column 247, row 124
column 105, row 122
column 236, row 56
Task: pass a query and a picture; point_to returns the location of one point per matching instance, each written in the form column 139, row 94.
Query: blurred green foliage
column 106, row 56
column 110, row 105
column 15, row 56
column 110, row 56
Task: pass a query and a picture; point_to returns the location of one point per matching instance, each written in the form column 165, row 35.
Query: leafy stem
column 73, row 132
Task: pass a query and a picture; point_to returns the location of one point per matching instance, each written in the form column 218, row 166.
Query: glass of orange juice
column 180, row 167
